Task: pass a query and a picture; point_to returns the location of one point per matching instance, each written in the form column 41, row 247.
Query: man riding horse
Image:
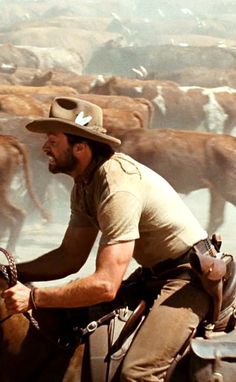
column 140, row 216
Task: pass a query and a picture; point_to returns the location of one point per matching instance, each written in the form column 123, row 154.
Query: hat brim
column 55, row 125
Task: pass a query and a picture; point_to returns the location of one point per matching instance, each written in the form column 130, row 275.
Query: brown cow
column 132, row 112
column 141, row 107
column 126, row 119
column 23, row 105
column 12, row 153
column 184, row 107
column 190, row 161
column 50, row 90
column 199, row 76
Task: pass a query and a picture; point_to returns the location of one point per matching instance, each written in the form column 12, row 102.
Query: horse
column 30, row 347
column 72, row 345
column 28, row 354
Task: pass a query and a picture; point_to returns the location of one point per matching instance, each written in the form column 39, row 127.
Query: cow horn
column 143, row 70
column 139, row 72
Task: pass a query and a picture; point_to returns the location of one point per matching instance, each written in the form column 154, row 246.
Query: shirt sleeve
column 118, row 217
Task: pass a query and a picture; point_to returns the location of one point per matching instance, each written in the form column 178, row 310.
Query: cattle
column 51, row 46
column 118, row 61
column 118, row 111
column 123, row 119
column 129, row 87
column 30, row 100
column 126, row 111
column 189, row 161
column 17, row 56
column 42, row 180
column 50, row 90
column 150, row 20
column 181, row 107
column 198, row 76
column 12, row 154
column 36, row 77
column 22, row 105
column 82, row 83
column 141, row 108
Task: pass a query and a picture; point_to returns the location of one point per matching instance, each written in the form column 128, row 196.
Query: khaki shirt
column 127, row 201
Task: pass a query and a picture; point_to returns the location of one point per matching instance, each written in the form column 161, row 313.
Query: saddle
column 213, row 359
column 223, row 346
column 111, row 339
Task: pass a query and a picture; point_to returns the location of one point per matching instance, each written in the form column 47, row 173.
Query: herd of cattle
column 171, row 100
column 160, row 123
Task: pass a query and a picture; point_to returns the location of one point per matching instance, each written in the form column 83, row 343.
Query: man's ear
column 79, row 148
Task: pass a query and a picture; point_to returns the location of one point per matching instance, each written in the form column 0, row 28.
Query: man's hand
column 17, row 299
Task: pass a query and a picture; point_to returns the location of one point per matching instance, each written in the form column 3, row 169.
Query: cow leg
column 216, row 211
column 13, row 218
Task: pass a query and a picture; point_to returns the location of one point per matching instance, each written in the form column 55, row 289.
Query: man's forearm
column 78, row 293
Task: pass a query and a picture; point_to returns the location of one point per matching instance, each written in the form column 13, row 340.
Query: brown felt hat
column 74, row 116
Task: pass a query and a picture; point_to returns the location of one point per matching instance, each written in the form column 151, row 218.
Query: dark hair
column 98, row 149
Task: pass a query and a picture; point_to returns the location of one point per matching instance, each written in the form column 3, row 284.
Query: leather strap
column 132, row 323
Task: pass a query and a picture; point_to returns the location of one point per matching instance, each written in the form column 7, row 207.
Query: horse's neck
column 3, row 311
column 13, row 329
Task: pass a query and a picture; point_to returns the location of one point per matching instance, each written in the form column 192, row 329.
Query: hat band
column 98, row 129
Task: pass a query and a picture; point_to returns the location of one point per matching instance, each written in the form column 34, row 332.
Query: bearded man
column 139, row 216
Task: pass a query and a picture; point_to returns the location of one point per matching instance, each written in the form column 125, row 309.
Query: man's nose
column 45, row 147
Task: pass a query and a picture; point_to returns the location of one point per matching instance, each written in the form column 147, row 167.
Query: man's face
column 60, row 153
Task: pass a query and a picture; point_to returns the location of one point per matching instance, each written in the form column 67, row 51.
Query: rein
column 5, row 319
column 77, row 334
column 10, row 275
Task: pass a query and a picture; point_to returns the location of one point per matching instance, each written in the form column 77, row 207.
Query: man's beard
column 65, row 166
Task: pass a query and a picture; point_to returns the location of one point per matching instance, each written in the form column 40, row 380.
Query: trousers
column 175, row 314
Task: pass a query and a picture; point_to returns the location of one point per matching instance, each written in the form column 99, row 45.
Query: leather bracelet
column 32, row 297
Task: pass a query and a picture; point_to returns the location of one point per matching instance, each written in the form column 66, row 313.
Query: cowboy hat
column 74, row 116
